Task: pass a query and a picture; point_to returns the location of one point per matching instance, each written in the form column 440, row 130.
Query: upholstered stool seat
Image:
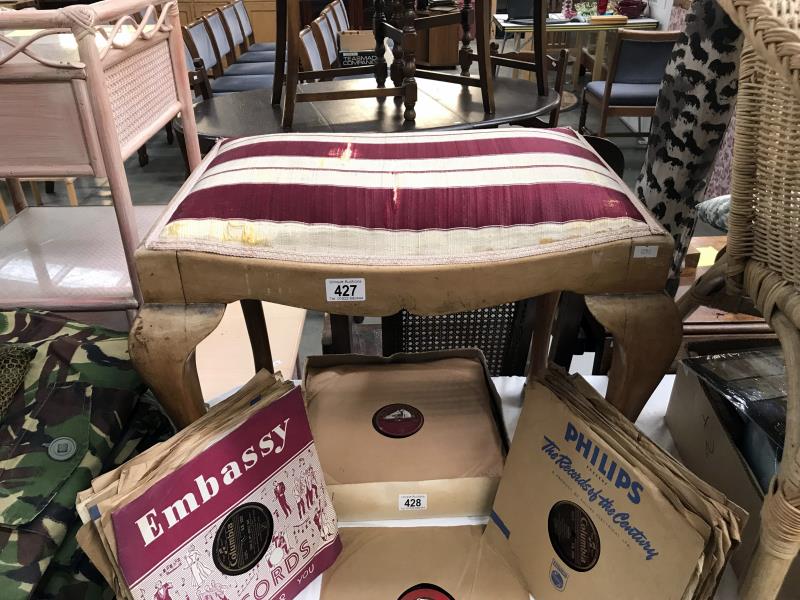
column 433, row 223
column 626, row 94
column 403, row 199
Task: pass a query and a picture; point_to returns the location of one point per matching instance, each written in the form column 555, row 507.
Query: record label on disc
column 425, row 591
column 243, row 538
column 397, row 420
column 573, row 535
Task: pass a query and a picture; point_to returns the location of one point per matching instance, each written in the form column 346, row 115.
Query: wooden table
column 518, row 30
column 439, row 106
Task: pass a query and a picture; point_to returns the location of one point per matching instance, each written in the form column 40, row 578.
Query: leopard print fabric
column 695, row 103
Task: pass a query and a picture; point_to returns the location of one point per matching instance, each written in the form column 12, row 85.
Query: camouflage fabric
column 71, row 574
column 62, row 425
column 15, row 360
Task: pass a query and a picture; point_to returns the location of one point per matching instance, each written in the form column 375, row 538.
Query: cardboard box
column 698, row 425
column 357, row 48
column 574, row 464
column 409, row 436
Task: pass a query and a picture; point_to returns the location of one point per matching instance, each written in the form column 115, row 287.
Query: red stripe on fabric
column 345, row 150
column 408, row 209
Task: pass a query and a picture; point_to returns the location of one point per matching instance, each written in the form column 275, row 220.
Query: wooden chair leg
column 601, row 132
column 482, row 20
column 544, row 315
column 143, row 157
column 647, row 333
column 17, row 194
column 409, row 61
column 566, row 328
column 162, row 345
column 72, row 195
column 341, row 335
column 280, row 51
column 292, row 33
column 779, row 537
column 37, row 194
column 253, row 312
column 465, row 52
column 170, row 133
column 3, row 210
column 50, row 187
column 584, row 109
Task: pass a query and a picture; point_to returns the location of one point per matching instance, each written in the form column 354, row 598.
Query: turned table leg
column 647, row 333
column 409, row 60
column 162, row 343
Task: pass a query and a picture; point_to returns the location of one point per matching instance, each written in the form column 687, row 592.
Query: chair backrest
column 763, row 226
column 244, row 18
column 340, row 11
column 502, row 333
column 219, row 38
column 199, row 43
column 232, row 26
column 641, row 56
column 325, row 40
column 310, row 57
column 333, row 23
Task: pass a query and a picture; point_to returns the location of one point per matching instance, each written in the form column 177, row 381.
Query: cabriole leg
column 162, row 345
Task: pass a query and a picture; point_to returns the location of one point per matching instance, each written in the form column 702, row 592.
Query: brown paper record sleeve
column 455, row 459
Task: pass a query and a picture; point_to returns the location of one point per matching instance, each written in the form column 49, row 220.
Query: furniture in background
column 252, row 113
column 69, row 186
column 762, row 263
column 580, row 30
column 634, row 78
column 75, row 103
column 203, row 45
column 326, row 35
column 399, row 22
column 258, row 18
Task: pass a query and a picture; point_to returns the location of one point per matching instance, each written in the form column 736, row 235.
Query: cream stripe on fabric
column 405, row 138
column 400, row 181
column 477, row 164
column 299, row 242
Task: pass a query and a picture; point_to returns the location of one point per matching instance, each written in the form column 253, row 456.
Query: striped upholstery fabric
column 402, row 199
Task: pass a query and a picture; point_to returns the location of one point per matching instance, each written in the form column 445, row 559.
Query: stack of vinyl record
column 590, row 507
column 235, row 505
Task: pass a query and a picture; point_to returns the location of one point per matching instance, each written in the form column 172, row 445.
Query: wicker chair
column 762, row 262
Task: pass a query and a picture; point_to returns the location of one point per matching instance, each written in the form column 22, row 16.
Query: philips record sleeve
column 591, row 508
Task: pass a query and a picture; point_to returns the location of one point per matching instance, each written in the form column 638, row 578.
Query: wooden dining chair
column 475, row 19
column 225, row 51
column 340, row 12
column 200, row 45
column 634, row 78
column 288, row 19
column 238, row 41
column 327, row 40
column 310, row 55
column 247, row 27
